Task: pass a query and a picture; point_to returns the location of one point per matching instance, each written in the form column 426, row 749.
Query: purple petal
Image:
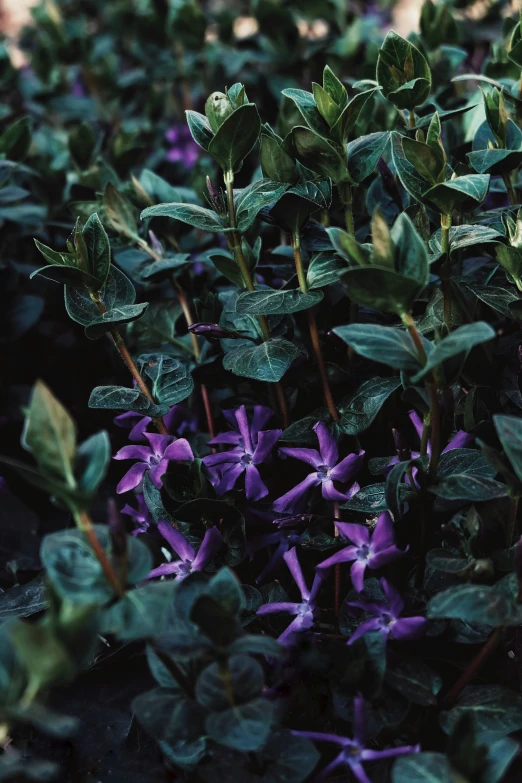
column 222, row 458
column 177, row 541
column 137, row 433
column 319, row 736
column 359, row 534
column 316, row 586
column 373, row 624
column 394, row 598
column 283, row 606
column 417, row 422
column 229, row 478
column 158, row 471
column 228, row 438
column 260, row 419
column 386, row 556
column 255, row 543
column 242, row 421
column 254, row 486
column 142, row 453
column 357, row 575
column 327, row 445
column 343, row 556
column 212, row 542
column 331, row 493
column 384, row 532
column 167, row 569
column 294, row 566
column 128, row 419
column 389, row 753
column 274, row 563
column 311, row 456
column 178, row 451
column 291, row 499
column 359, row 719
column 348, row 468
column 409, row 628
column 461, row 441
column 159, row 443
column 132, row 478
column 358, row 772
column 265, row 443
column 299, row 623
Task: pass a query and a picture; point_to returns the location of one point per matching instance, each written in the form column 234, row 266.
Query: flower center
column 363, row 553
column 185, row 568
column 246, row 458
column 323, row 472
column 304, row 609
column 155, row 459
column 386, row 621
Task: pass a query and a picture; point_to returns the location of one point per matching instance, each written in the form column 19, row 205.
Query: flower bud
column 216, row 198
column 217, row 108
column 214, row 331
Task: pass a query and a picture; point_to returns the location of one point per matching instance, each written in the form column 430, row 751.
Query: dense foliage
column 261, row 405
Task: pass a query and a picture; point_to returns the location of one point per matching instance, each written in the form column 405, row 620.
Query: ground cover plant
column 261, row 412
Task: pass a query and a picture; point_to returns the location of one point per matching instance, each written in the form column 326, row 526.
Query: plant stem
column 445, row 272
column 512, row 521
column 512, row 196
column 474, row 667
column 314, row 332
column 234, row 244
column 411, row 118
column 129, row 361
column 84, row 523
column 346, row 196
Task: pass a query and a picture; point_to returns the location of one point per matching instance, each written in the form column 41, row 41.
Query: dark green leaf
column 358, row 412
column 460, row 341
column 493, row 707
column 269, row 302
column 266, row 362
column 236, row 137
column 199, row 217
column 245, row 727
column 232, row 683
column 384, row 344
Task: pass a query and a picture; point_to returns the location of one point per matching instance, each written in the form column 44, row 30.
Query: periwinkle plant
column 315, row 541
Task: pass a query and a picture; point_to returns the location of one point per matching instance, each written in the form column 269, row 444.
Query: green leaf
column 384, row 344
column 306, row 104
column 511, row 259
column 120, row 398
column 76, row 574
column 475, row 604
column 463, row 193
column 233, row 683
column 114, row 318
column 226, row 591
column 429, row 162
column 275, row 162
column 120, row 212
column 427, row 767
column 251, row 200
column 236, row 137
column 245, row 727
column 319, row 155
column 171, row 381
column 460, row 341
column 141, row 613
column 98, row 249
column 411, row 255
column 326, row 106
column 411, row 180
column 381, row 289
column 467, row 475
column 419, row 683
column 324, row 268
column 93, row 457
column 509, row 431
column 117, row 292
column 462, row 237
column 497, row 297
column 50, row 434
column 350, row 115
column 372, row 499
column 199, row 217
column 359, row 411
column 269, row 302
column 266, row 362
column 363, row 155
column 158, row 189
column 200, row 128
column 493, row 708
column 402, row 72
column 16, row 139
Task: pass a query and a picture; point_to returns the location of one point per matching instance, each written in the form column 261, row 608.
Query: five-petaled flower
column 153, row 458
column 352, row 750
column 386, row 617
column 367, row 552
column 305, row 610
column 188, row 561
column 327, row 469
column 141, row 515
column 251, row 446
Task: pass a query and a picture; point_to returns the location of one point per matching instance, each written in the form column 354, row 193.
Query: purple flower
column 251, row 447
column 353, row 751
column 387, row 618
column 460, row 441
column 305, row 610
column 153, row 458
column 140, row 515
column 327, row 469
column 367, row 552
column 188, row 561
column 183, row 147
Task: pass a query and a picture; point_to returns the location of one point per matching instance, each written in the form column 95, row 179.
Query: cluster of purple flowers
column 183, row 149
